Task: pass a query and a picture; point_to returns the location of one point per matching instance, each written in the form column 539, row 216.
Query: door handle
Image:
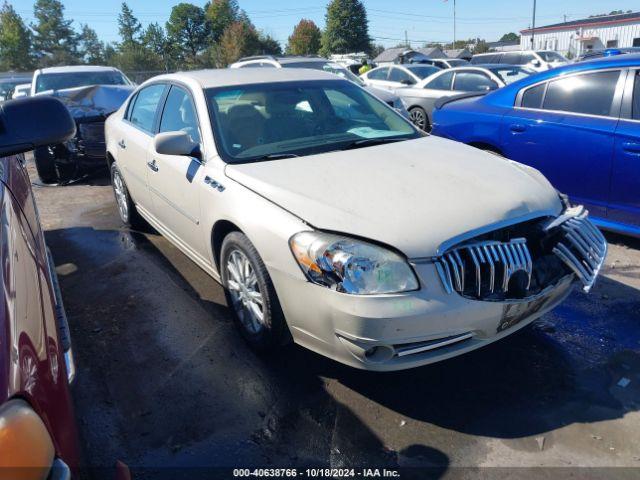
column 517, row 128
column 121, row 144
column 153, row 165
column 631, row 147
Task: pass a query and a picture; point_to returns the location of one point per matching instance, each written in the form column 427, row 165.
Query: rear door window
column 379, row 74
column 400, row 76
column 532, row 98
column 473, row 82
column 144, row 109
column 635, row 109
column 443, row 82
column 179, row 114
column 590, row 94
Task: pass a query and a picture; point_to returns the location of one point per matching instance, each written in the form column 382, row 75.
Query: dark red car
column 38, row 438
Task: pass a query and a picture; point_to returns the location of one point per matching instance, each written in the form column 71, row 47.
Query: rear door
column 624, row 205
column 565, row 128
column 173, row 178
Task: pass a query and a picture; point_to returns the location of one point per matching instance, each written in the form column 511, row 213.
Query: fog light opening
column 379, row 353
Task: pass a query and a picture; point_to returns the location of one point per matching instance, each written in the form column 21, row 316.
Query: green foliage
column 347, row 28
column 15, row 41
column 187, row 33
column 90, row 48
column 155, row 39
column 481, row 47
column 510, row 37
column 305, row 39
column 268, row 45
column 376, row 50
column 129, row 27
column 220, row 14
column 54, row 40
column 238, row 40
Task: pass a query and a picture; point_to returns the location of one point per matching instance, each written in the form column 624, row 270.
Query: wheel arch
column 219, row 231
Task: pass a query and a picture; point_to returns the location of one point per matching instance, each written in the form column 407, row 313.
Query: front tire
column 420, row 118
column 46, row 165
column 250, row 294
column 126, row 208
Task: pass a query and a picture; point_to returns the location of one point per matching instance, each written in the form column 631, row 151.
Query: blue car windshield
column 275, row 120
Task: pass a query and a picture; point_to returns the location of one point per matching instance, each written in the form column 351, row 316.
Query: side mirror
column 536, row 63
column 27, row 123
column 176, row 143
column 408, row 82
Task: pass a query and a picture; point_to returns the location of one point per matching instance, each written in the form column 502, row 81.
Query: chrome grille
column 583, row 248
column 488, row 265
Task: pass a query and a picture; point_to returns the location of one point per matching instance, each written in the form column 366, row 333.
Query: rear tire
column 126, row 208
column 250, row 294
column 420, row 118
column 45, row 162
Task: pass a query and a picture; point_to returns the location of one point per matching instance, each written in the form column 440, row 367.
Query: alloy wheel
column 121, row 196
column 417, row 116
column 246, row 296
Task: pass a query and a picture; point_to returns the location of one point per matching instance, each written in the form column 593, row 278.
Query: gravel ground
column 165, row 381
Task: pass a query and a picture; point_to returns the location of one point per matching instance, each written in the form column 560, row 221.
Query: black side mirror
column 407, row 81
column 27, row 123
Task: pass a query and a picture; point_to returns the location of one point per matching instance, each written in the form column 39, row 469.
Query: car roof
column 78, row 69
column 495, row 65
column 223, row 77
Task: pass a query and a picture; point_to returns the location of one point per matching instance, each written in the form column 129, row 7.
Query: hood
column 413, row 195
column 93, row 101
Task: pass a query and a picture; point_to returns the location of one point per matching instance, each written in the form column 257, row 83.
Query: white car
column 331, row 221
column 538, row 60
column 21, row 90
column 396, row 76
column 46, row 80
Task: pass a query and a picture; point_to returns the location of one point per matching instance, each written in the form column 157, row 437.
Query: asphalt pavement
column 165, row 382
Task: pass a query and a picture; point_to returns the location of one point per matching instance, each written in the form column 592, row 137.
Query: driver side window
column 179, row 114
column 443, row 82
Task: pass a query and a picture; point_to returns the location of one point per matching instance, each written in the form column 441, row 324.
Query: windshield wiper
column 369, row 142
column 275, row 156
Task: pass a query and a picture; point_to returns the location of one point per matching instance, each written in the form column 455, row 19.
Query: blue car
column 579, row 125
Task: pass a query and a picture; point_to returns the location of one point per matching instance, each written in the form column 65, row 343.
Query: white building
column 577, row 36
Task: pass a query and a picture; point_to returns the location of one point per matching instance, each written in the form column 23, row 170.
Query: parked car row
column 578, row 125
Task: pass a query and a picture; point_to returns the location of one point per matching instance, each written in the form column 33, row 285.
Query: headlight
column 351, row 266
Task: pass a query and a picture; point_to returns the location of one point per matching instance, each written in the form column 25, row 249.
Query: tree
column 54, row 41
column 347, row 28
column 129, row 27
column 157, row 43
column 481, row 46
column 510, row 37
column 15, row 41
column 90, row 48
column 238, row 40
column 376, row 50
column 305, row 39
column 267, row 45
column 187, row 32
column 220, row 14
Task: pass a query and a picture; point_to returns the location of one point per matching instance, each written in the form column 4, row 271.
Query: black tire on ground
column 420, row 118
column 263, row 334
column 126, row 207
column 45, row 165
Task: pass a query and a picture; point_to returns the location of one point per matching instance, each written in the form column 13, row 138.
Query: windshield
column 422, row 71
column 456, row 62
column 60, row 81
column 552, row 57
column 511, row 74
column 300, row 118
column 327, row 67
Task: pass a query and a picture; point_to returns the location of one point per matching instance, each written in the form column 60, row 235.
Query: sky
column 423, row 20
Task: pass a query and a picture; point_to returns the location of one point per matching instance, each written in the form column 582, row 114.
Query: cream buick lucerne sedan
column 331, row 221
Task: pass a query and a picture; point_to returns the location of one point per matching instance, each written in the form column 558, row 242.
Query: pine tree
column 347, row 28
column 54, row 40
column 15, row 41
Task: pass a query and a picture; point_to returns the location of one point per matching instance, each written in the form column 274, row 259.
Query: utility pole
column 454, row 24
column 533, row 28
column 406, row 39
